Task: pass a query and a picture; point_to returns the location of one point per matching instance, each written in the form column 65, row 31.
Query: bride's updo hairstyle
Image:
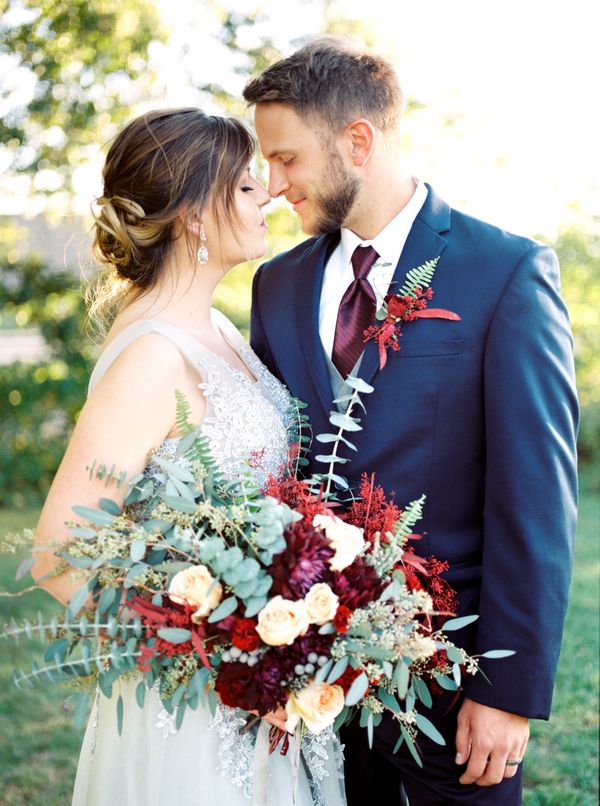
column 163, row 164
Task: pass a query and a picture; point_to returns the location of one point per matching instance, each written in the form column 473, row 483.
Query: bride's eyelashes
column 246, row 188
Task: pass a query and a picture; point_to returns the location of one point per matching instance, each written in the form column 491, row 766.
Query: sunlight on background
column 507, row 124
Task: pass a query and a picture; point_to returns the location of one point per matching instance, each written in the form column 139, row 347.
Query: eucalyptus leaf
column 326, row 438
column 454, row 654
column 78, row 600
column 120, row 715
column 422, row 691
column 389, row 700
column 179, row 504
column 323, row 671
column 174, row 635
column 176, row 471
column 357, row 690
column 344, row 422
column 338, row 670
column 411, row 745
column 110, row 506
column 359, row 385
column 137, row 550
column 24, row 567
column 254, row 605
column 429, row 729
column 498, row 653
column 226, row 608
column 140, row 693
column 83, row 532
column 97, row 516
column 81, row 709
column 339, row 480
column 446, row 682
column 458, row 623
column 401, row 677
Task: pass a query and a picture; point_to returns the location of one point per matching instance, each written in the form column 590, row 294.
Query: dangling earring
column 202, row 250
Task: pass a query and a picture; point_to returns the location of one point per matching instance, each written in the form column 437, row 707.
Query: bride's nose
column 263, row 197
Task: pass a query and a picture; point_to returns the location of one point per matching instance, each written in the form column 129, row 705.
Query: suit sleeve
column 531, row 418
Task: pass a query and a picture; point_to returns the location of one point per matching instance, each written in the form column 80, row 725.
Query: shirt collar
column 389, row 242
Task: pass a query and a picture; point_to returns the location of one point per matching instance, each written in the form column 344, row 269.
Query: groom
column 480, row 414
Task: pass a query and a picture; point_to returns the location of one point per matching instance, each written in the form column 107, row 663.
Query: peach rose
column 347, row 540
column 196, row 586
column 321, row 603
column 281, row 621
column 318, row 705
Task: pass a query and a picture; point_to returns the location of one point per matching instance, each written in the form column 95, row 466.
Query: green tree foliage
column 71, row 72
column 578, row 251
column 69, row 69
column 39, row 402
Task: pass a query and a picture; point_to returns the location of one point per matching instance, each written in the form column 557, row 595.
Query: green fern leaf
column 183, row 413
column 421, row 276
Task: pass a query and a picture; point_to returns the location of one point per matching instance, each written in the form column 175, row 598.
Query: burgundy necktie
column 357, row 311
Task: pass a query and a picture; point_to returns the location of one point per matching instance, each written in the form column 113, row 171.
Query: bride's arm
column 131, row 411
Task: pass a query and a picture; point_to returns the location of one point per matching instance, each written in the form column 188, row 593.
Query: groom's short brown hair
column 334, row 79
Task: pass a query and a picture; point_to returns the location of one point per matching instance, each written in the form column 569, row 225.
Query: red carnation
column 341, row 620
column 244, row 635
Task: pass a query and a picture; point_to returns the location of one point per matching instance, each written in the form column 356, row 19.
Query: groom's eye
column 287, row 162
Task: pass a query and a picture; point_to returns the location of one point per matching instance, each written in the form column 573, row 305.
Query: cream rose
column 347, row 540
column 321, row 603
column 281, row 621
column 195, row 586
column 318, row 705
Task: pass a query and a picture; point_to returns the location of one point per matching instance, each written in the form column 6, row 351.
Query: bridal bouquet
column 261, row 598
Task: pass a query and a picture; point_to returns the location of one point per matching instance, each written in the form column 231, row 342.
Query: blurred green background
column 70, row 74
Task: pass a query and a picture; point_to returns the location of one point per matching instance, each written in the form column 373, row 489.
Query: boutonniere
column 408, row 304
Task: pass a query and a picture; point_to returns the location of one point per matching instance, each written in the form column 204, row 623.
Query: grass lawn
column 39, row 746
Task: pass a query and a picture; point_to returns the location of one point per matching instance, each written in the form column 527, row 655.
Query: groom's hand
column 487, row 738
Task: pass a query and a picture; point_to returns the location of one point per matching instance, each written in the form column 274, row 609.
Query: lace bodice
column 246, row 422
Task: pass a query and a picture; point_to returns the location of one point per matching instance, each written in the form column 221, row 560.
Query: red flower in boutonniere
column 408, row 304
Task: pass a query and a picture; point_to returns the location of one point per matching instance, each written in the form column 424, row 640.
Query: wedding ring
column 513, row 762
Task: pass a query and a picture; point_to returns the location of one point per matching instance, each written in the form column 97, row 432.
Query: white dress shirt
column 339, row 273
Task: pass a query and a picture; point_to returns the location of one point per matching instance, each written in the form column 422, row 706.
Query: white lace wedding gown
column 206, row 761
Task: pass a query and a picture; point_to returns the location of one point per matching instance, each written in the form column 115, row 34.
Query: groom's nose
column 278, row 181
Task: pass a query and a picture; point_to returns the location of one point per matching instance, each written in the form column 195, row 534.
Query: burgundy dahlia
column 357, row 585
column 303, row 563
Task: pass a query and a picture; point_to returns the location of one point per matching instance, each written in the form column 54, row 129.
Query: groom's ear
column 360, row 137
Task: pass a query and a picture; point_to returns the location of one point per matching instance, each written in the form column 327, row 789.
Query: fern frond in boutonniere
column 408, row 304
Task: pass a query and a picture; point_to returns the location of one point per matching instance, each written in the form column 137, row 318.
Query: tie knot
column 363, row 258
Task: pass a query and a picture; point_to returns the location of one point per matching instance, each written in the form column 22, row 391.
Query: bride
column 180, row 208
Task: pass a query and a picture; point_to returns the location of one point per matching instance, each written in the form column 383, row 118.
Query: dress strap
column 228, row 330
column 189, row 347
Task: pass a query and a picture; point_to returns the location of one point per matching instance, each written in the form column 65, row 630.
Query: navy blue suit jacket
column 480, row 414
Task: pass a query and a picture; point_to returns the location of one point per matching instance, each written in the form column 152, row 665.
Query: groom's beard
column 335, row 203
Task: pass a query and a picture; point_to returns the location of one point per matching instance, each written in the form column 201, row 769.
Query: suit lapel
column 424, row 243
column 309, row 280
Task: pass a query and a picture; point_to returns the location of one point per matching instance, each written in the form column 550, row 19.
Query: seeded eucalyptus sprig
column 344, row 422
